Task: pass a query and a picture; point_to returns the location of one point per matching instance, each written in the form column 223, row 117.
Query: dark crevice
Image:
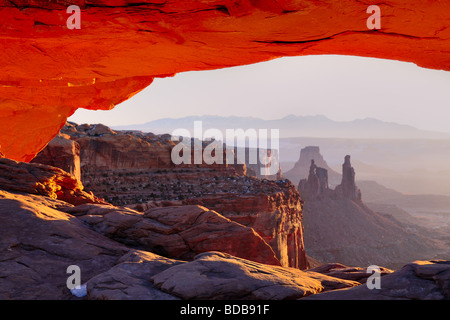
column 375, row 32
column 223, row 9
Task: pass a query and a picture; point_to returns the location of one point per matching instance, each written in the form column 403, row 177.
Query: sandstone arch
column 48, row 71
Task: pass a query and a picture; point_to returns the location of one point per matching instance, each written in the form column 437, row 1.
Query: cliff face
column 62, row 153
column 274, row 211
column 49, row 70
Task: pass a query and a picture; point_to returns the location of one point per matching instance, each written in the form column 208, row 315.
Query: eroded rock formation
column 302, row 167
column 262, row 282
column 44, row 180
column 49, row 70
column 39, row 241
column 339, row 227
column 316, row 185
column 275, row 212
column 347, row 189
column 62, row 153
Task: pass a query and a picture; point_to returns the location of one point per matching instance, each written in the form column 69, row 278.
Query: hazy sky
column 340, row 87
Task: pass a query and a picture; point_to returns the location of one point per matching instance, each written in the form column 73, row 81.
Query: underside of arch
column 49, row 70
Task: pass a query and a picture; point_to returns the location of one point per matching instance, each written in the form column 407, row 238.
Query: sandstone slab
column 177, row 232
column 215, row 275
column 130, row 278
column 39, row 243
column 419, row 280
column 341, row 271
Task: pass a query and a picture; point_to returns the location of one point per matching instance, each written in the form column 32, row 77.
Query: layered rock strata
column 44, row 180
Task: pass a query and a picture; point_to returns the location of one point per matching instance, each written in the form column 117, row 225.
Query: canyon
column 340, row 227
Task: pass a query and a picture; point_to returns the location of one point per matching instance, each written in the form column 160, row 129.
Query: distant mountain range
column 294, row 126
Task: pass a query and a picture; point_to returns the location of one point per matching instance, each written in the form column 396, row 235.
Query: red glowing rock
column 48, row 70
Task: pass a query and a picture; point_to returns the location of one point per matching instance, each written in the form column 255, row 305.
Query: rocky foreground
column 178, row 252
column 113, row 248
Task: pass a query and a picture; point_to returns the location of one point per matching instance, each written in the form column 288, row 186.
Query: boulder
column 129, row 279
column 419, row 280
column 176, row 232
column 100, row 130
column 33, row 178
column 215, row 275
column 39, row 243
column 340, row 271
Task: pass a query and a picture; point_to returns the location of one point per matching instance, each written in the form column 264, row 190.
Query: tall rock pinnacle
column 348, row 187
column 316, row 185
